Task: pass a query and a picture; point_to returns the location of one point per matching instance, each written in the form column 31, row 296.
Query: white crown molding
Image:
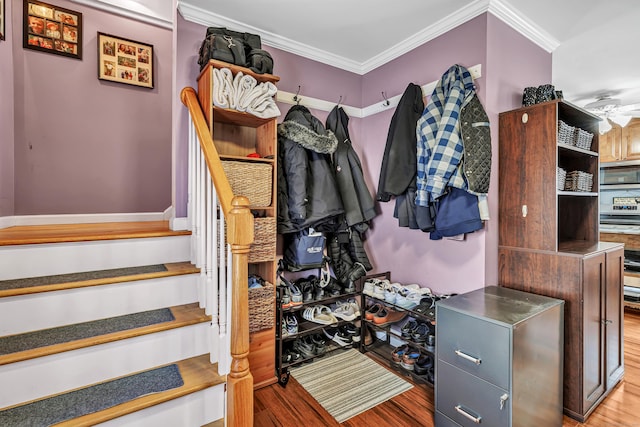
column 444, row 25
column 209, row 19
column 501, row 9
column 511, row 16
column 117, row 10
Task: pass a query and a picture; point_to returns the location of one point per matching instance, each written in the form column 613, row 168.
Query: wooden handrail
column 240, row 235
column 189, row 98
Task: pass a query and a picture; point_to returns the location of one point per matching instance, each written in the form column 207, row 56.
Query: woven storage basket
column 566, row 133
column 249, row 179
column 579, row 181
column 583, row 139
column 263, row 247
column 262, row 308
column 561, row 176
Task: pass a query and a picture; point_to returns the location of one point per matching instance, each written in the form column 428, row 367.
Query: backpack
column 304, row 250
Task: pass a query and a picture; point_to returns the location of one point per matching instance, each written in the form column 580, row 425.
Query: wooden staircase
column 35, row 374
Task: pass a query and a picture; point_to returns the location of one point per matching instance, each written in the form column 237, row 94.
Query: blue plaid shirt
column 440, row 147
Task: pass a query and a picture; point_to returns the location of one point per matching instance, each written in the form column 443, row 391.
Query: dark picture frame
column 2, row 24
column 52, row 29
column 125, row 61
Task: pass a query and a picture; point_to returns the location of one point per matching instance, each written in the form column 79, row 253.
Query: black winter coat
column 356, row 198
column 307, row 191
column 399, row 163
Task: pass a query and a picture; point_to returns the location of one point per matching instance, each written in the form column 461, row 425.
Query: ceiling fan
column 612, row 109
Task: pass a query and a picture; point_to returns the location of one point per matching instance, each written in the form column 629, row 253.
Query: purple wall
column 446, row 265
column 316, row 80
column 6, row 117
column 513, row 63
column 84, row 145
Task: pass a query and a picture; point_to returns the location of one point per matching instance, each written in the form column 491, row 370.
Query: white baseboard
column 179, row 224
column 11, row 221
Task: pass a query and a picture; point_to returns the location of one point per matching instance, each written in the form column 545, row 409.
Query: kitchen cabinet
column 499, row 359
column 549, row 245
column 236, row 135
column 621, row 143
column 611, row 144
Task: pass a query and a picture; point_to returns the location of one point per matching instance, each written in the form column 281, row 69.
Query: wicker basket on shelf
column 263, row 247
column 579, row 181
column 561, row 176
column 566, row 133
column 583, row 139
column 250, row 179
column 262, row 308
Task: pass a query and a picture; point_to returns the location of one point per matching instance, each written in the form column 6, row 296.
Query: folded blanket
column 264, row 105
column 222, row 86
column 245, row 85
column 252, row 95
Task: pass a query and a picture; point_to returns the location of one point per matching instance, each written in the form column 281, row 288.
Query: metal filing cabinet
column 499, row 359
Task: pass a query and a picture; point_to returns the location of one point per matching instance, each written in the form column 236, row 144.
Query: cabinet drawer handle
column 469, row 358
column 461, row 411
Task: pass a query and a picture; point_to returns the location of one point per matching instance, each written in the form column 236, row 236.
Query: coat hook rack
column 386, row 101
column 296, row 98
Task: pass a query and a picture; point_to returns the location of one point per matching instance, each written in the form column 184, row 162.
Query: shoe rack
column 308, row 331
column 386, row 342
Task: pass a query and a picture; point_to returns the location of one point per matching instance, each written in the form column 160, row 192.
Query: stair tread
column 172, row 269
column 60, row 233
column 184, row 315
column 197, row 374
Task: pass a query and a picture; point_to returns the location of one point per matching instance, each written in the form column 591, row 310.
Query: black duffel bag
column 234, row 47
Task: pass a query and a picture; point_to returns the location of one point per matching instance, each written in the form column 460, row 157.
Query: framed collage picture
column 125, row 61
column 52, row 29
column 2, row 30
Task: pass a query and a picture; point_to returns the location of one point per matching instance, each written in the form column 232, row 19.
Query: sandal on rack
column 319, row 314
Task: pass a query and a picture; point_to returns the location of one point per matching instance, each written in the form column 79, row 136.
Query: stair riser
column 196, row 409
column 33, row 379
column 27, row 313
column 63, row 258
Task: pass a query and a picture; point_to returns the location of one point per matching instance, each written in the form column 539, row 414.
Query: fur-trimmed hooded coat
column 308, row 195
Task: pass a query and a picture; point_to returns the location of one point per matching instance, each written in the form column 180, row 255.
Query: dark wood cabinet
column 549, row 245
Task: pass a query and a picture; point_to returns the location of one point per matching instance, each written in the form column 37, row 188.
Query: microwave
column 620, row 174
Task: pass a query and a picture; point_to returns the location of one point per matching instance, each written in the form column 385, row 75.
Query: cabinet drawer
column 474, row 345
column 462, row 397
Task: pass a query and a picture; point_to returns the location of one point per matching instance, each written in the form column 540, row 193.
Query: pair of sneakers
column 343, row 335
column 346, row 310
column 289, row 324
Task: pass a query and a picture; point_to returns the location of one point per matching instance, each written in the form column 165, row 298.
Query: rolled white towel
column 245, row 87
column 250, row 96
column 265, row 90
column 266, row 109
column 220, row 97
column 228, row 84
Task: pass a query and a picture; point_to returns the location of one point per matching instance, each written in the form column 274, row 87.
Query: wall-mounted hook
column 296, row 97
column 339, row 100
column 386, row 101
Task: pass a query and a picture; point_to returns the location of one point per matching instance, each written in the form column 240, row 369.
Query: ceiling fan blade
column 628, row 108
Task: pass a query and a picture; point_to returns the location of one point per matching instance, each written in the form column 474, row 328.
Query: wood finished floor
column 293, row 406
